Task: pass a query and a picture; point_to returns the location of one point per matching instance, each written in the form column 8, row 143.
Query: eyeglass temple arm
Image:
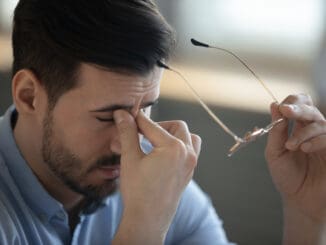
column 202, row 103
column 200, row 44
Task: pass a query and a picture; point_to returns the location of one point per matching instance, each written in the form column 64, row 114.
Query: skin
column 297, row 163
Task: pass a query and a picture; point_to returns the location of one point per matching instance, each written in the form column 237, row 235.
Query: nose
column 115, row 144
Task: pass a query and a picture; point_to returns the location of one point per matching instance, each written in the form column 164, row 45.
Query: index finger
column 152, row 131
column 301, row 112
column 128, row 133
column 178, row 129
column 277, row 136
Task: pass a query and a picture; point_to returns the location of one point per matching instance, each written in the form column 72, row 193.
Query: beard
column 68, row 167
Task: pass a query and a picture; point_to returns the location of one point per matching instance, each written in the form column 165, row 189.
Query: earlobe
column 25, row 91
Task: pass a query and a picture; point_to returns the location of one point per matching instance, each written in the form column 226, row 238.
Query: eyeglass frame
column 249, row 136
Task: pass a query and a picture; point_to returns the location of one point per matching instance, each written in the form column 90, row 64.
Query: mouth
column 110, row 172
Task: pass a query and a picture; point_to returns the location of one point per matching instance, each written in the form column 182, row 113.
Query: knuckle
column 301, row 98
column 307, row 98
column 316, row 114
column 192, row 160
column 179, row 147
column 314, row 108
column 321, row 123
column 291, row 98
column 182, row 125
column 196, row 138
column 308, row 108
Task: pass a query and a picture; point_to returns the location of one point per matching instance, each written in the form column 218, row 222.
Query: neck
column 30, row 149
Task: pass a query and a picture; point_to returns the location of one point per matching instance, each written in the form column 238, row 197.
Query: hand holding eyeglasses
column 297, row 163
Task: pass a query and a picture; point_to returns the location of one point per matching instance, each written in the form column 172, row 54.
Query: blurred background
column 283, row 41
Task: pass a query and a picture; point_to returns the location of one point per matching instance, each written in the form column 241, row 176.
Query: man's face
column 81, row 143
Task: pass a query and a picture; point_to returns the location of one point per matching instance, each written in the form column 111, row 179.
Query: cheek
column 85, row 140
column 91, row 142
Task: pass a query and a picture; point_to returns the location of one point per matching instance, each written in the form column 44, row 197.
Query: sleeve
column 196, row 221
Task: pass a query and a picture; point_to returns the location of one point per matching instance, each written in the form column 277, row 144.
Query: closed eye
column 111, row 119
column 105, row 119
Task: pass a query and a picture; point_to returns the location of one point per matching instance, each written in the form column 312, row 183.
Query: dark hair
column 52, row 38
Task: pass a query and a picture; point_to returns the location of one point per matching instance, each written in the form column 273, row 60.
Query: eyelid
column 150, row 106
column 112, row 119
column 105, row 119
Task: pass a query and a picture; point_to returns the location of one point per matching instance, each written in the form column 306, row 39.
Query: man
column 65, row 143
column 84, row 79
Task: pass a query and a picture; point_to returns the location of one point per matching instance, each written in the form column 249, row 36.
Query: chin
column 109, row 187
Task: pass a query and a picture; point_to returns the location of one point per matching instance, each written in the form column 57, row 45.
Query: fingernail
column 141, row 113
column 274, row 105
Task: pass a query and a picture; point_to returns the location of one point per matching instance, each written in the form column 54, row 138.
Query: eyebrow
column 124, row 107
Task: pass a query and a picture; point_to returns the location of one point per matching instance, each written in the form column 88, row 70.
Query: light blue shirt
column 30, row 215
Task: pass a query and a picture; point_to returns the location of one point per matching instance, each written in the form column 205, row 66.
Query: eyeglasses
column 249, row 136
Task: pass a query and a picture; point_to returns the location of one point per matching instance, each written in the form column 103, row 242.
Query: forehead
column 94, row 75
column 100, row 83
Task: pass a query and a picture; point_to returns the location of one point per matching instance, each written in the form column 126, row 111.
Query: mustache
column 106, row 161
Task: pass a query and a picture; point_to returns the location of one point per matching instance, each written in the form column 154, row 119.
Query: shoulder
column 9, row 225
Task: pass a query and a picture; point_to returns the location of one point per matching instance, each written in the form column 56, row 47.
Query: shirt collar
column 37, row 198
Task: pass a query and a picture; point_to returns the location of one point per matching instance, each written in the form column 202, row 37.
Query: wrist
column 138, row 229
column 301, row 229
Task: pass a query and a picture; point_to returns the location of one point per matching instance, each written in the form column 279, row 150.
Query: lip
column 110, row 172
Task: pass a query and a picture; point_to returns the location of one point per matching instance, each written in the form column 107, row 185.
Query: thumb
column 277, row 136
column 128, row 133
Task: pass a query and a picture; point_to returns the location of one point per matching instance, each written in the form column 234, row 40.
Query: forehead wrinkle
column 100, row 85
column 141, row 82
column 116, row 76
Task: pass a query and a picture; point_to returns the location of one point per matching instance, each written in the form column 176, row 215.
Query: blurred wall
column 280, row 40
column 319, row 75
column 5, row 91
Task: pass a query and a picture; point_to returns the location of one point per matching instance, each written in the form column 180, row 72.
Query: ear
column 26, row 91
